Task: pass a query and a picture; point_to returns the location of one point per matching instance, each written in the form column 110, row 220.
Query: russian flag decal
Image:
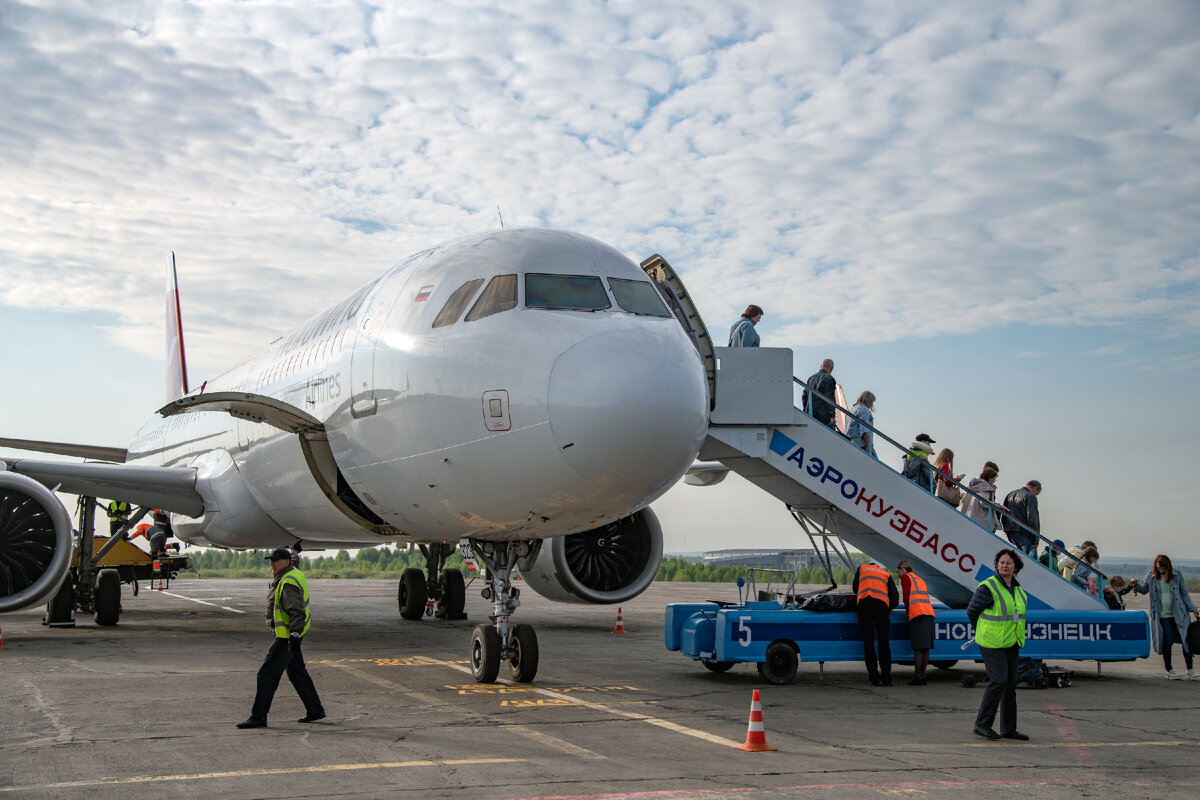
column 423, row 295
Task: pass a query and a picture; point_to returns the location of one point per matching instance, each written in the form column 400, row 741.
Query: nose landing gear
column 502, row 641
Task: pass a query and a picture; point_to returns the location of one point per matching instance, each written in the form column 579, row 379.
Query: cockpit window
column 500, row 295
column 582, row 292
column 638, row 297
column 457, row 302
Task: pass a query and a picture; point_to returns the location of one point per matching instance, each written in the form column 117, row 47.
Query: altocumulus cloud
column 872, row 171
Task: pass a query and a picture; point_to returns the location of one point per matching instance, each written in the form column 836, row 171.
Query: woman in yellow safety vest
column 920, row 619
column 997, row 610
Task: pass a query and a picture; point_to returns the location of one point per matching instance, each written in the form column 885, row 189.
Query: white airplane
column 529, row 391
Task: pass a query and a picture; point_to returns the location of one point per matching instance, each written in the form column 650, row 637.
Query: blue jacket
column 742, row 334
column 855, row 429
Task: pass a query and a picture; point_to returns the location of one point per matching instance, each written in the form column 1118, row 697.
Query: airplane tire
column 485, row 654
column 524, row 661
column 108, row 597
column 454, row 595
column 780, row 666
column 718, row 666
column 61, row 607
column 412, row 594
column 943, row 664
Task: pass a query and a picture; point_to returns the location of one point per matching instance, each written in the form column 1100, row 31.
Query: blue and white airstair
column 756, row 431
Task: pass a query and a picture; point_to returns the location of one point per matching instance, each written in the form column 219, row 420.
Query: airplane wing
column 168, row 488
column 116, row 454
column 705, row 473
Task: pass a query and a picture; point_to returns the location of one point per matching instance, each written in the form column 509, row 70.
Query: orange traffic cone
column 756, row 737
column 620, row 623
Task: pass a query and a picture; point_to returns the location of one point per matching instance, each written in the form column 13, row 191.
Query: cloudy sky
column 988, row 215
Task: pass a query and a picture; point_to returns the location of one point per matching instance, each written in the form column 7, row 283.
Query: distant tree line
column 376, row 562
column 675, row 568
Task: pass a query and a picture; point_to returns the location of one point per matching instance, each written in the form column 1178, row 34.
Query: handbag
column 950, row 493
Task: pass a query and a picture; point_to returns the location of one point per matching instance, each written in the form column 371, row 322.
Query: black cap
column 924, row 437
column 280, row 554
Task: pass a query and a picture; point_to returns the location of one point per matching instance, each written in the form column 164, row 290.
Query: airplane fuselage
column 555, row 394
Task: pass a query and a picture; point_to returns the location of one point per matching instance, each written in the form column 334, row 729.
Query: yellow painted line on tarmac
column 202, row 602
column 255, row 773
column 576, row 700
column 436, row 702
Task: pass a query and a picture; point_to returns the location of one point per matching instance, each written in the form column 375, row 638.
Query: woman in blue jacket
column 1170, row 607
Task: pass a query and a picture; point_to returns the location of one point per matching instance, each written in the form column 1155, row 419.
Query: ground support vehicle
column 778, row 638
column 100, row 565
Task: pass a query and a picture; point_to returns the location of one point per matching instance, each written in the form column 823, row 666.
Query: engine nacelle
column 35, row 542
column 607, row 565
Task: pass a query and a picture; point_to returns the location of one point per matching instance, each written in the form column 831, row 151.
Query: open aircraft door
column 681, row 305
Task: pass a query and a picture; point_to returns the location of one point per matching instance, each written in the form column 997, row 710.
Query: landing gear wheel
column 943, row 664
column 412, row 593
column 485, row 654
column 61, row 608
column 781, row 663
column 522, row 640
column 718, row 666
column 454, row 595
column 108, row 597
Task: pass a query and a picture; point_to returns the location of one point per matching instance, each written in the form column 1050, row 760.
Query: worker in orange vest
column 920, row 618
column 876, row 596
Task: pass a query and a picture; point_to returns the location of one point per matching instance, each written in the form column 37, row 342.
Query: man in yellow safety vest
column 288, row 616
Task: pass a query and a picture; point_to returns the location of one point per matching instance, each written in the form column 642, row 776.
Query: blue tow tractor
column 777, row 634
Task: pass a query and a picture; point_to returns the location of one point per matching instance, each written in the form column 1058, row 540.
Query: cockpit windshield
column 638, row 297
column 500, row 295
column 579, row 292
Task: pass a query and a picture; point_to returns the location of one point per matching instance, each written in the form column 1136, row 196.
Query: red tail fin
column 177, row 381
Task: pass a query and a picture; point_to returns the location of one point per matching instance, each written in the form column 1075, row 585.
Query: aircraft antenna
column 501, row 216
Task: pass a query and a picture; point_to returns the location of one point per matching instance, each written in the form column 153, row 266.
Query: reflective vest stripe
column 872, row 582
column 296, row 578
column 918, row 597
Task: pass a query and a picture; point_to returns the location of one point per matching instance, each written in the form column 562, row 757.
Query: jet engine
column 606, row 565
column 35, row 542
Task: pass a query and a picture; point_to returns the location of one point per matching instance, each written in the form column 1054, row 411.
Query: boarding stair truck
column 836, row 490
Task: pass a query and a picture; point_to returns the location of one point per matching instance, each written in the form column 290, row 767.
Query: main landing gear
column 501, row 641
column 441, row 592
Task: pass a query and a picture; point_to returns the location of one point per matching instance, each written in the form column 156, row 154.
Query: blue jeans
column 279, row 660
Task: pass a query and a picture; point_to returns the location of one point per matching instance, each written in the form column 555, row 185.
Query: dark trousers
column 873, row 623
column 279, row 660
column 1001, row 691
column 1024, row 541
column 1170, row 635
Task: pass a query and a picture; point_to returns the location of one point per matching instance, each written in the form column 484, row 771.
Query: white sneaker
column 1194, row 675
column 1175, row 676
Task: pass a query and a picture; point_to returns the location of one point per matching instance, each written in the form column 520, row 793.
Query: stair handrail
column 993, row 508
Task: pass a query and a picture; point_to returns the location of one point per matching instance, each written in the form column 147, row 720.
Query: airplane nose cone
column 629, row 410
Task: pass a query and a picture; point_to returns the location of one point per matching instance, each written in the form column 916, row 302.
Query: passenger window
column 500, row 295
column 457, row 302
column 582, row 292
column 638, row 297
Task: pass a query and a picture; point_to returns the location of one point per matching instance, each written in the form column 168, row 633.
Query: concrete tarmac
column 147, row 709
